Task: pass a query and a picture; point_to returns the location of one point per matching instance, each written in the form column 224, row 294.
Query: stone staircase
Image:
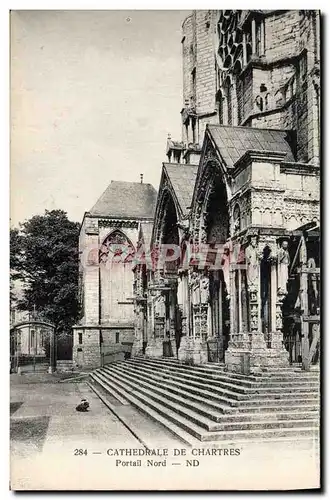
column 206, row 403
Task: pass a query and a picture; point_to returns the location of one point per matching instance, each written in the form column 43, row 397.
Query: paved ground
column 46, row 431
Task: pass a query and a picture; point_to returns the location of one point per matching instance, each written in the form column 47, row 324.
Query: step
column 177, row 431
column 260, row 434
column 278, row 414
column 191, row 405
column 141, row 401
column 198, row 378
column 239, row 424
column 211, row 404
column 192, row 415
column 226, row 376
column 220, row 371
column 193, row 386
column 216, row 367
column 105, row 386
column 193, row 429
column 287, row 408
column 175, row 386
column 223, row 381
column 210, row 396
column 260, row 391
column 204, row 410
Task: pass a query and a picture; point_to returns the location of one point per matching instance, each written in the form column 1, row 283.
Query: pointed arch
column 118, row 244
column 212, row 177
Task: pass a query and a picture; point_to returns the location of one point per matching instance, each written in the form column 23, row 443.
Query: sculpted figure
column 204, row 284
column 312, row 278
column 283, row 262
column 252, row 262
column 194, row 288
column 225, row 265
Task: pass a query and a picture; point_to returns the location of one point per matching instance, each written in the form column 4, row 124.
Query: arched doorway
column 216, row 225
column 170, row 241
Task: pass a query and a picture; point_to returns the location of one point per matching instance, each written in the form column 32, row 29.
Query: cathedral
column 222, row 264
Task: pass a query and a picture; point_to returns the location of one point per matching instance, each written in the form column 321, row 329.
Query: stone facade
column 255, row 68
column 251, row 123
column 239, row 200
column 108, row 238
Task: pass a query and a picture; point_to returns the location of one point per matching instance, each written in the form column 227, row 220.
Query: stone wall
column 291, row 102
column 282, row 34
column 205, row 61
column 88, row 353
column 125, row 336
column 188, row 51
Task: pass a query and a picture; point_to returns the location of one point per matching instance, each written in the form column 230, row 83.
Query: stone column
column 172, row 320
column 183, row 303
column 233, row 312
column 137, row 348
column 273, row 297
column 193, row 347
column 254, row 37
column 262, row 37
column 154, row 348
column 244, row 50
column 247, row 350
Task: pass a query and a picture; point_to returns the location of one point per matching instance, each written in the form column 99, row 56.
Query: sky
column 94, row 95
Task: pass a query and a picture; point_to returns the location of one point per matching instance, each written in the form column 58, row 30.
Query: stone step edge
column 244, row 391
column 232, row 403
column 204, row 369
column 112, row 392
column 295, row 432
column 243, row 419
column 244, row 439
column 210, row 405
column 162, row 384
column 177, row 431
column 193, row 417
column 231, row 386
column 206, row 436
column 224, row 394
column 178, row 368
column 203, row 410
column 214, row 367
column 205, row 422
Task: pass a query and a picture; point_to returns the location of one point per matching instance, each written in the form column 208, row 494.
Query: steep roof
column 126, row 199
column 182, row 178
column 233, row 142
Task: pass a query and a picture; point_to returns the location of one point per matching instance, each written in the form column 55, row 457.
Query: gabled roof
column 233, row 142
column 126, row 199
column 182, row 178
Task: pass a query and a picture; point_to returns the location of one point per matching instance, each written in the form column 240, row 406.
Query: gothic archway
column 216, row 223
column 166, row 239
column 211, row 228
column 116, row 278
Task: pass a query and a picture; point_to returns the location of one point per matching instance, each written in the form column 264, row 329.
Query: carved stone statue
column 194, row 281
column 283, row 262
column 160, row 304
column 225, row 265
column 312, row 281
column 204, row 288
column 252, row 262
column 180, row 290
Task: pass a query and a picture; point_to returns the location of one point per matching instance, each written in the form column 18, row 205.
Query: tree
column 15, row 260
column 44, row 255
